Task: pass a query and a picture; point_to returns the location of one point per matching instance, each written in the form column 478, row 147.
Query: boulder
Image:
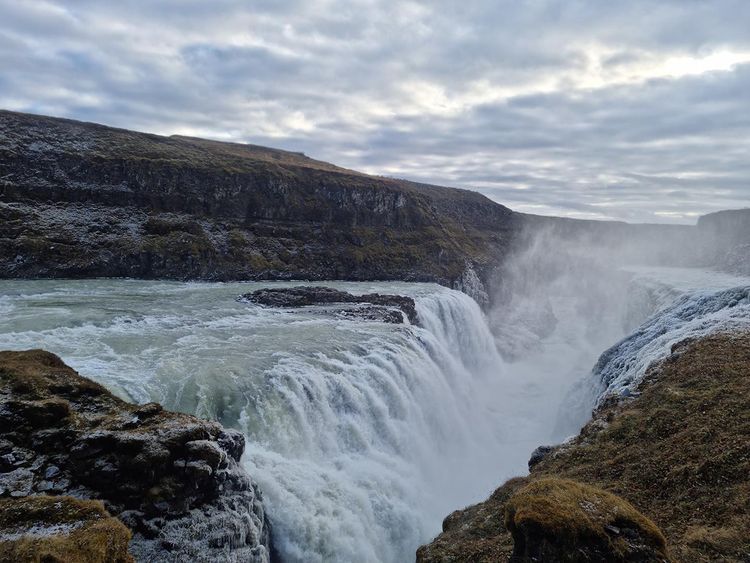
column 303, row 296
column 562, row 520
column 173, row 479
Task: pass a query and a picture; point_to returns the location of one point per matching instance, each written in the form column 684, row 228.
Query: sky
column 633, row 110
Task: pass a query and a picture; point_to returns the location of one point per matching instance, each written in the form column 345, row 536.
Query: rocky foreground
column 661, row 476
column 85, row 476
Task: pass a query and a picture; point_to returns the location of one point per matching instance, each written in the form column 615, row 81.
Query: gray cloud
column 632, row 110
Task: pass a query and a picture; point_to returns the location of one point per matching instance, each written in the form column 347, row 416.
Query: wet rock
column 51, row 472
column 232, row 442
column 303, row 296
column 375, row 314
column 167, row 474
column 208, row 451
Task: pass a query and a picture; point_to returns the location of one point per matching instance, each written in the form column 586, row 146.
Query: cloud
column 631, row 110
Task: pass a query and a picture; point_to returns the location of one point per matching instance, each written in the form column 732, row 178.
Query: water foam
column 362, row 435
column 694, row 314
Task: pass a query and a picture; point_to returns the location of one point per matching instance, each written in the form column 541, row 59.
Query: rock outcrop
column 174, row 480
column 677, row 451
column 562, row 520
column 379, row 307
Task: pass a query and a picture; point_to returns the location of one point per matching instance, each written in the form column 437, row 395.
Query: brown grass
column 569, row 515
column 92, row 534
column 679, row 453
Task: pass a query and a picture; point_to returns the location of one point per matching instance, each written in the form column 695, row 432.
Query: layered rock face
column 379, row 307
column 676, row 453
column 83, row 200
column 562, row 520
column 174, row 480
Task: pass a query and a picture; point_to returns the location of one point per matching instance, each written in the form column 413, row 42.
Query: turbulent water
column 688, row 304
column 362, row 435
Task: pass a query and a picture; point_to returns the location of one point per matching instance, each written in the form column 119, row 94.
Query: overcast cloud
column 636, row 110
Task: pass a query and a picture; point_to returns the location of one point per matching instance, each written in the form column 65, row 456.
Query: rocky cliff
column 725, row 239
column 72, row 455
column 81, row 200
column 676, row 450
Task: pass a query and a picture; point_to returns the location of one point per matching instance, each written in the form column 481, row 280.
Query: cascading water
column 362, row 435
column 695, row 314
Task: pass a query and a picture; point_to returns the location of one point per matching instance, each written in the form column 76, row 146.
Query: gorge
column 127, row 255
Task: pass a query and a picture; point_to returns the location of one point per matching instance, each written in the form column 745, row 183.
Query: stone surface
column 562, row 520
column 539, row 454
column 173, row 479
column 303, row 296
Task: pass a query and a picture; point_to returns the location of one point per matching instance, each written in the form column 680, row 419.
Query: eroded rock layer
column 377, row 306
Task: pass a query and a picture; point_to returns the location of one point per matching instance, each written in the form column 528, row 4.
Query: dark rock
column 539, row 454
column 51, row 472
column 303, row 296
column 377, row 314
column 16, row 483
column 232, row 442
column 208, row 451
column 148, row 410
column 172, row 477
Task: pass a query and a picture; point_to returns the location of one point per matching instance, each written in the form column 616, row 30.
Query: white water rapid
column 362, row 435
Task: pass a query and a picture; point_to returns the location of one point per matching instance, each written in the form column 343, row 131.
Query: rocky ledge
column 72, row 455
column 384, row 308
column 677, row 449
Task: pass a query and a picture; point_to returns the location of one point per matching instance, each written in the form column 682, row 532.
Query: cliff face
column 726, row 237
column 174, row 480
column 678, row 450
column 78, row 199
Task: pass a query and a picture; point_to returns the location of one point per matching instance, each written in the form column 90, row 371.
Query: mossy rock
column 562, row 520
column 61, row 529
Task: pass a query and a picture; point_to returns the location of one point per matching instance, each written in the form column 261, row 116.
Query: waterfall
column 692, row 315
column 373, row 446
column 364, row 435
